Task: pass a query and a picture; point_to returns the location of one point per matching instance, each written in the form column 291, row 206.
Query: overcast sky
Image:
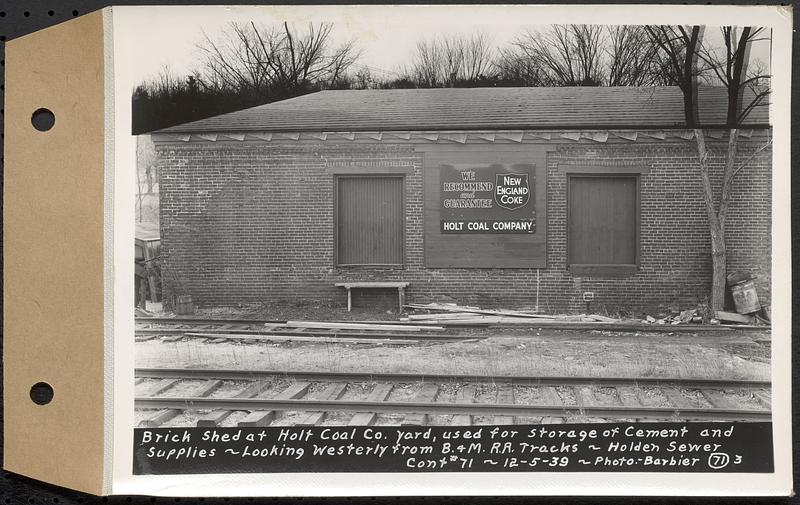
column 386, row 35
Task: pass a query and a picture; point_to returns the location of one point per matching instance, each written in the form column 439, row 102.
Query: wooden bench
column 400, row 286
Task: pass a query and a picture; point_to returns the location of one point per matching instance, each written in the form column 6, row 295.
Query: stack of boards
column 450, row 314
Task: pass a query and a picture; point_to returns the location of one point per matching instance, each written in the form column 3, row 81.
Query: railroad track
column 225, row 397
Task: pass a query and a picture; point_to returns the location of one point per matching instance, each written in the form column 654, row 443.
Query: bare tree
column 632, row 59
column 569, row 55
column 427, row 67
column 478, row 56
column 586, row 55
column 731, row 65
column 517, row 69
column 278, row 61
column 683, row 47
column 449, row 60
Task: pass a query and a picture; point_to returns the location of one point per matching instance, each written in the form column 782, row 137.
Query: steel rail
column 234, row 374
column 190, row 320
column 626, row 327
column 254, row 404
column 334, row 334
column 193, row 320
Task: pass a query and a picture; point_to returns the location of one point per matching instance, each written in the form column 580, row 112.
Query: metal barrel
column 745, row 297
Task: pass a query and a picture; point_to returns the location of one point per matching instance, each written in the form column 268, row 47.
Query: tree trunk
column 718, row 249
column 719, row 262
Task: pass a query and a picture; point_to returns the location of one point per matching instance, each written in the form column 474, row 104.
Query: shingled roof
column 476, row 108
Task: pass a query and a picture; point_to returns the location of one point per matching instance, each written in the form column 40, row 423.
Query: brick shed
column 490, row 196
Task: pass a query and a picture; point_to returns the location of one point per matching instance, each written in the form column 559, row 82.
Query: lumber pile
column 451, row 314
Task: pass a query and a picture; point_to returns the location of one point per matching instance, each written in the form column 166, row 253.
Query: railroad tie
column 427, row 394
column 552, row 398
column 260, row 418
column 379, row 394
column 465, row 395
column 331, row 392
column 217, row 416
column 172, row 338
column 585, row 397
column 676, row 398
column 629, row 396
column 763, row 398
column 505, row 396
column 160, row 387
column 162, row 416
column 718, row 400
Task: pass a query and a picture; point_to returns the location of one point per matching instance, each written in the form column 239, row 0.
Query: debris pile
column 688, row 316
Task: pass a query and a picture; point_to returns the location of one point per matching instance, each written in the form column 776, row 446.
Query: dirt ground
column 512, row 352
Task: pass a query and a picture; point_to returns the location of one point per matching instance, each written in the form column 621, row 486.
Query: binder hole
column 43, row 119
column 51, row 13
column 41, row 393
column 74, row 13
column 26, row 14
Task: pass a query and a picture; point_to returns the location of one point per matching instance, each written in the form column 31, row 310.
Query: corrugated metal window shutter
column 369, row 220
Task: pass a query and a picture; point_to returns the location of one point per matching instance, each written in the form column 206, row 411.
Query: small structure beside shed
column 513, row 196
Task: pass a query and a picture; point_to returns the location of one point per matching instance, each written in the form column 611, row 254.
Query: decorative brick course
column 252, row 222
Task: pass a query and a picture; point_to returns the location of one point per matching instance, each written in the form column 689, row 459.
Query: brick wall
column 245, row 223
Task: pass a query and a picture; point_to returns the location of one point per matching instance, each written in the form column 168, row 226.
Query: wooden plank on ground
column 449, row 315
column 260, row 418
column 172, row 338
column 362, row 326
column 676, row 398
column 214, row 418
column 732, row 317
column 145, row 338
column 474, row 310
column 427, row 393
column 718, row 399
column 331, row 392
column 379, row 394
column 293, row 338
column 505, row 396
column 552, row 397
column 139, row 381
column 162, row 416
column 466, row 394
